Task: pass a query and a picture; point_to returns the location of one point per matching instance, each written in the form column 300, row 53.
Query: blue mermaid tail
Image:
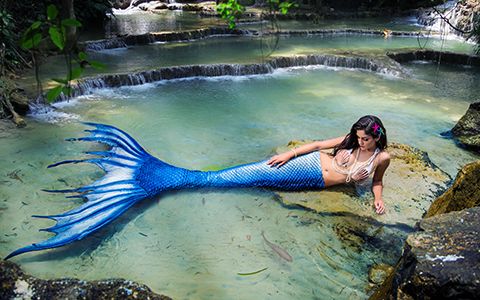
column 133, row 175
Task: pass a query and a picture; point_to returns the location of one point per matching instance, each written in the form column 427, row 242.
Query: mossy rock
column 467, row 130
column 464, row 193
column 379, row 272
column 411, row 183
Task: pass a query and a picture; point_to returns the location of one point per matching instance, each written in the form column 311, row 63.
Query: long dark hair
column 372, row 126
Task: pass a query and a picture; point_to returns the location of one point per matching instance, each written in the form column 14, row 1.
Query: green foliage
column 52, row 12
column 281, row 6
column 9, row 56
column 230, row 11
column 57, row 29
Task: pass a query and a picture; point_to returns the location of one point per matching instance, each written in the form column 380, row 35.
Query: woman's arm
column 281, row 159
column 377, row 184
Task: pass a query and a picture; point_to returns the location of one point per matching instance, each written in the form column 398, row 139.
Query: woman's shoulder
column 383, row 156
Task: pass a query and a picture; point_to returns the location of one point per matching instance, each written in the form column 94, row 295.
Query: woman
column 355, row 156
column 133, row 175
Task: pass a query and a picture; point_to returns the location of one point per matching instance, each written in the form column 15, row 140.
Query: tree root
column 16, row 118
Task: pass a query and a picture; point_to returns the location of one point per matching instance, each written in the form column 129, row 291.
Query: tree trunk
column 67, row 11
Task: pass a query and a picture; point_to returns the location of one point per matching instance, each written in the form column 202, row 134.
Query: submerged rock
column 15, row 284
column 411, row 183
column 467, row 130
column 464, row 193
column 379, row 272
column 440, row 261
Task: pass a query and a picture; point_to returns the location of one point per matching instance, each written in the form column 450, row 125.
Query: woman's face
column 366, row 141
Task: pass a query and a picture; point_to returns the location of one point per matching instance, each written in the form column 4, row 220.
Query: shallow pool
column 193, row 244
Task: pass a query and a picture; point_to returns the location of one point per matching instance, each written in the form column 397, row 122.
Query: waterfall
column 149, row 38
column 86, row 85
column 459, row 14
column 100, row 45
column 189, row 35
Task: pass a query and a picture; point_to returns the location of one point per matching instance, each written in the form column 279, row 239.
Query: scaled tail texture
column 132, row 175
column 105, row 198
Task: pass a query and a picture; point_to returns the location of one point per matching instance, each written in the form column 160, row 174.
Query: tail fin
column 107, row 197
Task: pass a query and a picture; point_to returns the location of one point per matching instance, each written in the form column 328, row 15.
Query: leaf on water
column 252, row 273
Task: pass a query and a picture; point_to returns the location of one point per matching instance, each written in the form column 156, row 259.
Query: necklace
column 355, row 167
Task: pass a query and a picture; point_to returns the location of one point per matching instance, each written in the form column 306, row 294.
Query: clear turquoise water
column 398, row 24
column 192, row 244
column 140, row 23
column 237, row 50
column 167, row 20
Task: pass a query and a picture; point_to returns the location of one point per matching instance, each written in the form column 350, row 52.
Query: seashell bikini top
column 355, row 167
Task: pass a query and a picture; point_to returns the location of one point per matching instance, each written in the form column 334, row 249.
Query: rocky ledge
column 464, row 193
column 443, row 57
column 15, row 284
column 467, row 130
column 441, row 260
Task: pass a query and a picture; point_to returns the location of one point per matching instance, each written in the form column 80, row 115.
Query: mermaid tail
column 133, row 175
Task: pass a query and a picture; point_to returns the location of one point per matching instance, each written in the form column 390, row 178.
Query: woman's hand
column 379, row 206
column 280, row 159
column 360, row 175
column 342, row 157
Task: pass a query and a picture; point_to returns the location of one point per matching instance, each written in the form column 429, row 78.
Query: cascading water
column 453, row 18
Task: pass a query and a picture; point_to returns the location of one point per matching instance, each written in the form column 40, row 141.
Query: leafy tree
column 232, row 10
column 62, row 36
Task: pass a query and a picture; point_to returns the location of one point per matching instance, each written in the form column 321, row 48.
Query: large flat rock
column 411, row 183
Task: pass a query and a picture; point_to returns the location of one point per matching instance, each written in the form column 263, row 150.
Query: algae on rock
column 464, row 193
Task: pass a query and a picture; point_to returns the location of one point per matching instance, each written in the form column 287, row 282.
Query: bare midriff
column 330, row 176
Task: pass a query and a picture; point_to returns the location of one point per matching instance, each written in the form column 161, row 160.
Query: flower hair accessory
column 377, row 129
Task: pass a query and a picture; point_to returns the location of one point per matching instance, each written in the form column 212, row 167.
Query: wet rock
column 467, row 130
column 175, row 6
column 460, row 15
column 366, row 234
column 443, row 57
column 139, row 2
column 441, row 261
column 15, row 284
column 192, row 7
column 379, row 272
column 121, row 4
column 411, row 183
column 152, row 5
column 464, row 193
column 159, row 6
